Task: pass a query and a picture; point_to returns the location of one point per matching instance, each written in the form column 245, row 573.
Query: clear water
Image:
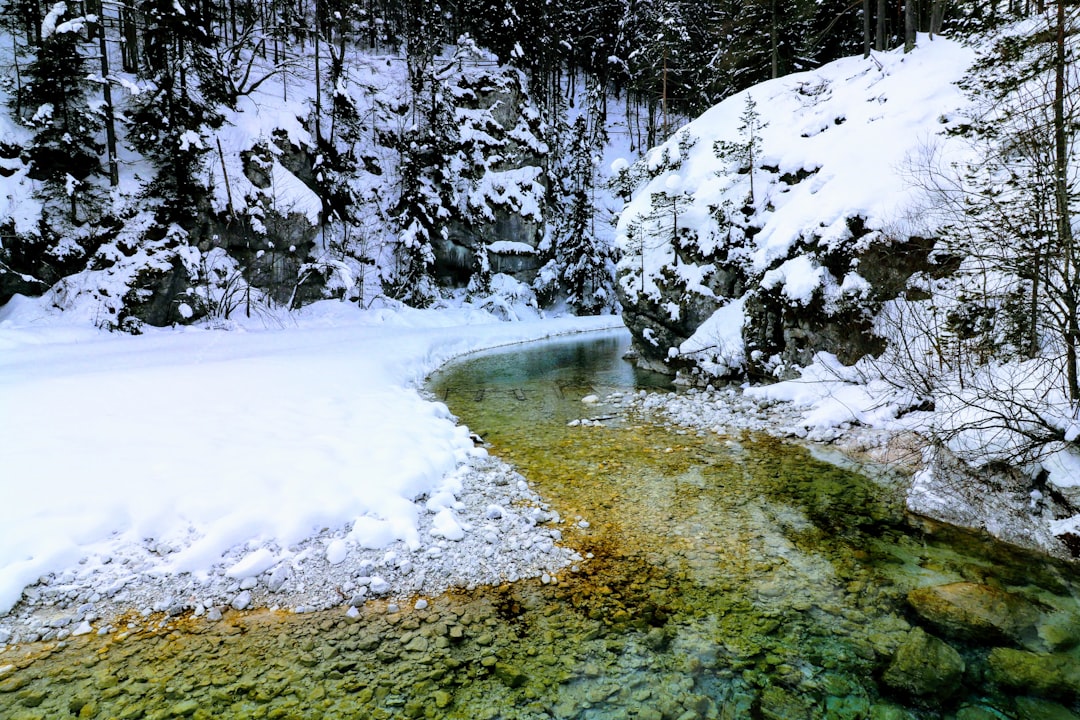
column 731, row 577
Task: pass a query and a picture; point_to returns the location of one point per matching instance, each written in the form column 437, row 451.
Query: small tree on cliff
column 746, row 151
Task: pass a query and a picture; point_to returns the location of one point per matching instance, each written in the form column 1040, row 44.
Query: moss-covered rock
column 1039, row 709
column 1054, row 675
column 925, row 666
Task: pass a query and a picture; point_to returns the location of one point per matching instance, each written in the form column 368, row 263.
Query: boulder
column 925, row 666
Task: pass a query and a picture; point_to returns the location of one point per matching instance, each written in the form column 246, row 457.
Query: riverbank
column 294, row 466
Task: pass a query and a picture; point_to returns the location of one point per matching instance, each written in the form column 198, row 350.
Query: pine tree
column 747, row 149
column 169, row 119
column 65, row 152
column 582, row 266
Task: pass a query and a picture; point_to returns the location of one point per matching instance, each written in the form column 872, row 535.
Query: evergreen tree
column 582, row 266
column 65, row 152
column 169, row 119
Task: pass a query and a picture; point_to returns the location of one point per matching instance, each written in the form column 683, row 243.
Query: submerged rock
column 1030, row 707
column 925, row 666
column 1054, row 675
column 972, row 611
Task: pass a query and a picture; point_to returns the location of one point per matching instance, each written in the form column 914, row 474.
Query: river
column 727, row 577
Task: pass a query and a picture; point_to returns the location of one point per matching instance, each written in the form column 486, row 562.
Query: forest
column 167, row 161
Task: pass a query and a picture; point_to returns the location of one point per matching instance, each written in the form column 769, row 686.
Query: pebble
column 241, row 601
column 421, row 604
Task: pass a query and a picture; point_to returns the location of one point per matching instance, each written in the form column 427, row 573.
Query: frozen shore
column 502, row 531
column 295, row 466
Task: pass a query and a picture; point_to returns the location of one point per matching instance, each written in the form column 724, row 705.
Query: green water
column 730, row 577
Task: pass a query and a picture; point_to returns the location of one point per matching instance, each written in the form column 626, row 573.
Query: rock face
column 971, row 611
column 778, row 332
column 925, row 666
column 500, row 223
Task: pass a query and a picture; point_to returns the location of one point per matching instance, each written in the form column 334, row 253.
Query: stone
column 925, row 666
column 242, row 601
column 184, row 708
column 1030, row 707
column 976, row 712
column 1054, row 675
column 779, row 703
column 971, row 611
column 510, row 675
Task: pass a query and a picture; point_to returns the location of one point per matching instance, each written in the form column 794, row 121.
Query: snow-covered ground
column 295, row 465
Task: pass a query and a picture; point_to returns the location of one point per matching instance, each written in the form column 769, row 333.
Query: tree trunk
column 867, row 32
column 110, row 117
column 937, row 17
column 909, row 25
column 774, row 38
column 1061, row 201
column 879, row 40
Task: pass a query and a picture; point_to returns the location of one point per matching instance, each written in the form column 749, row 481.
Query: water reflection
column 730, row 578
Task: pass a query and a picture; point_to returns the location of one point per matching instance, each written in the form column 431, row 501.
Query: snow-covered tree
column 582, row 264
column 65, row 152
column 169, row 119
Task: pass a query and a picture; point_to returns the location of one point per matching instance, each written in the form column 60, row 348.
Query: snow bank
column 193, row 442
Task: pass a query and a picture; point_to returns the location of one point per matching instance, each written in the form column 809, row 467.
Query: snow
column 509, row 247
column 206, row 447
column 848, row 129
column 1063, row 468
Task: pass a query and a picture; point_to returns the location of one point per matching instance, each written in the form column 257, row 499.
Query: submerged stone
column 925, row 666
column 972, row 611
column 1030, row 707
column 1054, row 675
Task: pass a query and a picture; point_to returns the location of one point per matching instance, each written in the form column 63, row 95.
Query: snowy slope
column 834, row 145
column 192, row 443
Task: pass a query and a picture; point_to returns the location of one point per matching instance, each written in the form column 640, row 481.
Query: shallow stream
column 728, row 577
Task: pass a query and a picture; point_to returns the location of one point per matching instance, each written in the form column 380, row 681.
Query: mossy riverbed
column 728, row 577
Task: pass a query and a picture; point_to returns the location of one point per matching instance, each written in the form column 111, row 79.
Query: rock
column 1060, row 631
column 971, row 611
column 925, row 666
column 278, row 578
column 1054, row 675
column 778, row 703
column 510, row 675
column 184, row 708
column 242, row 601
column 378, row 586
column 1029, row 707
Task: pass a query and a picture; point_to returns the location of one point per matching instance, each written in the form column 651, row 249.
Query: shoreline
column 505, row 532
